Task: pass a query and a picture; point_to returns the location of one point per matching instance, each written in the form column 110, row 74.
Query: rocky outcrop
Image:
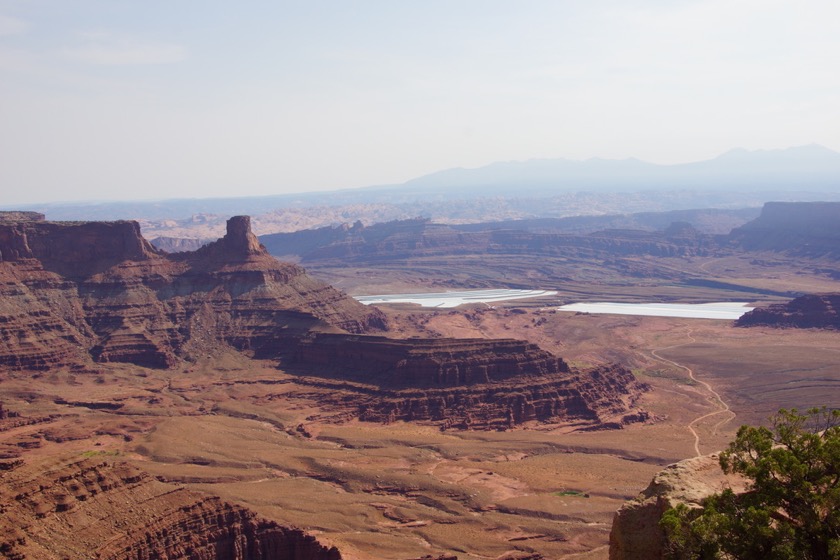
column 812, row 311
column 808, row 229
column 598, row 398
column 97, row 509
column 238, row 244
column 73, row 292
column 636, row 534
column 472, row 383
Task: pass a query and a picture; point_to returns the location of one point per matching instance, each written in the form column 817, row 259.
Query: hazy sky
column 114, row 99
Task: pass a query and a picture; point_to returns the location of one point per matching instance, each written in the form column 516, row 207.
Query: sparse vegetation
column 572, row 493
column 102, row 453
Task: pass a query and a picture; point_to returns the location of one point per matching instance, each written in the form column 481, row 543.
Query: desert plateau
column 221, row 403
column 439, row 280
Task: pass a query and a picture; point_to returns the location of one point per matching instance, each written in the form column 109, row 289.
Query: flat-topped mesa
column 415, row 363
column 811, row 311
column 808, row 229
column 469, row 383
column 74, row 249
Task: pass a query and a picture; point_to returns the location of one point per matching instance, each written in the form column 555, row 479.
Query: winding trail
column 716, row 398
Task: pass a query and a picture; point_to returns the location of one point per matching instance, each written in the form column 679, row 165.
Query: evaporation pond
column 723, row 310
column 454, row 299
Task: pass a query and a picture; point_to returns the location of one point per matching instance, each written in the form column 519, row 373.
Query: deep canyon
column 221, row 403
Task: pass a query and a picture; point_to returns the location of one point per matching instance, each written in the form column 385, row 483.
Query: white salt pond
column 723, row 310
column 454, row 299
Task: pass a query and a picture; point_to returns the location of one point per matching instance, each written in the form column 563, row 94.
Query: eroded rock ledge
column 98, row 291
column 469, row 383
column 416, row 363
column 98, row 509
column 636, row 534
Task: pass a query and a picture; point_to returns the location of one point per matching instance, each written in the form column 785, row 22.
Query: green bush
column 791, row 510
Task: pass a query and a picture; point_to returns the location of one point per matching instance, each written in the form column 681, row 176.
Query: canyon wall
column 394, row 363
column 468, row 383
column 94, row 508
column 76, row 292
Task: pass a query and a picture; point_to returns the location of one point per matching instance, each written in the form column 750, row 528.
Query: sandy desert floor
column 247, row 432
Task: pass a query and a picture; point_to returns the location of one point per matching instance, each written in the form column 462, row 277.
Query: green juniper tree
column 791, row 510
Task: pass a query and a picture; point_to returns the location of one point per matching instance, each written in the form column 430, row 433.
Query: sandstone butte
column 79, row 295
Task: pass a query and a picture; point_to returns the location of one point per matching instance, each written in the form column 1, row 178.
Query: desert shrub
column 791, row 509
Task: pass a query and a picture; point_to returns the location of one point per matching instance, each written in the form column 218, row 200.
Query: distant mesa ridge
column 811, row 311
column 810, row 229
column 405, row 239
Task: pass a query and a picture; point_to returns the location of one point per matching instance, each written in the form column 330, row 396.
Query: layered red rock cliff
column 469, row 383
column 97, row 509
column 415, row 363
column 76, row 291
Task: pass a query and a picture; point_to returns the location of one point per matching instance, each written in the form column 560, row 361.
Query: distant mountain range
column 810, row 167
column 737, row 178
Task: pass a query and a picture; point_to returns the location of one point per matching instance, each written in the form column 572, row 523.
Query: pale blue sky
column 113, row 99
